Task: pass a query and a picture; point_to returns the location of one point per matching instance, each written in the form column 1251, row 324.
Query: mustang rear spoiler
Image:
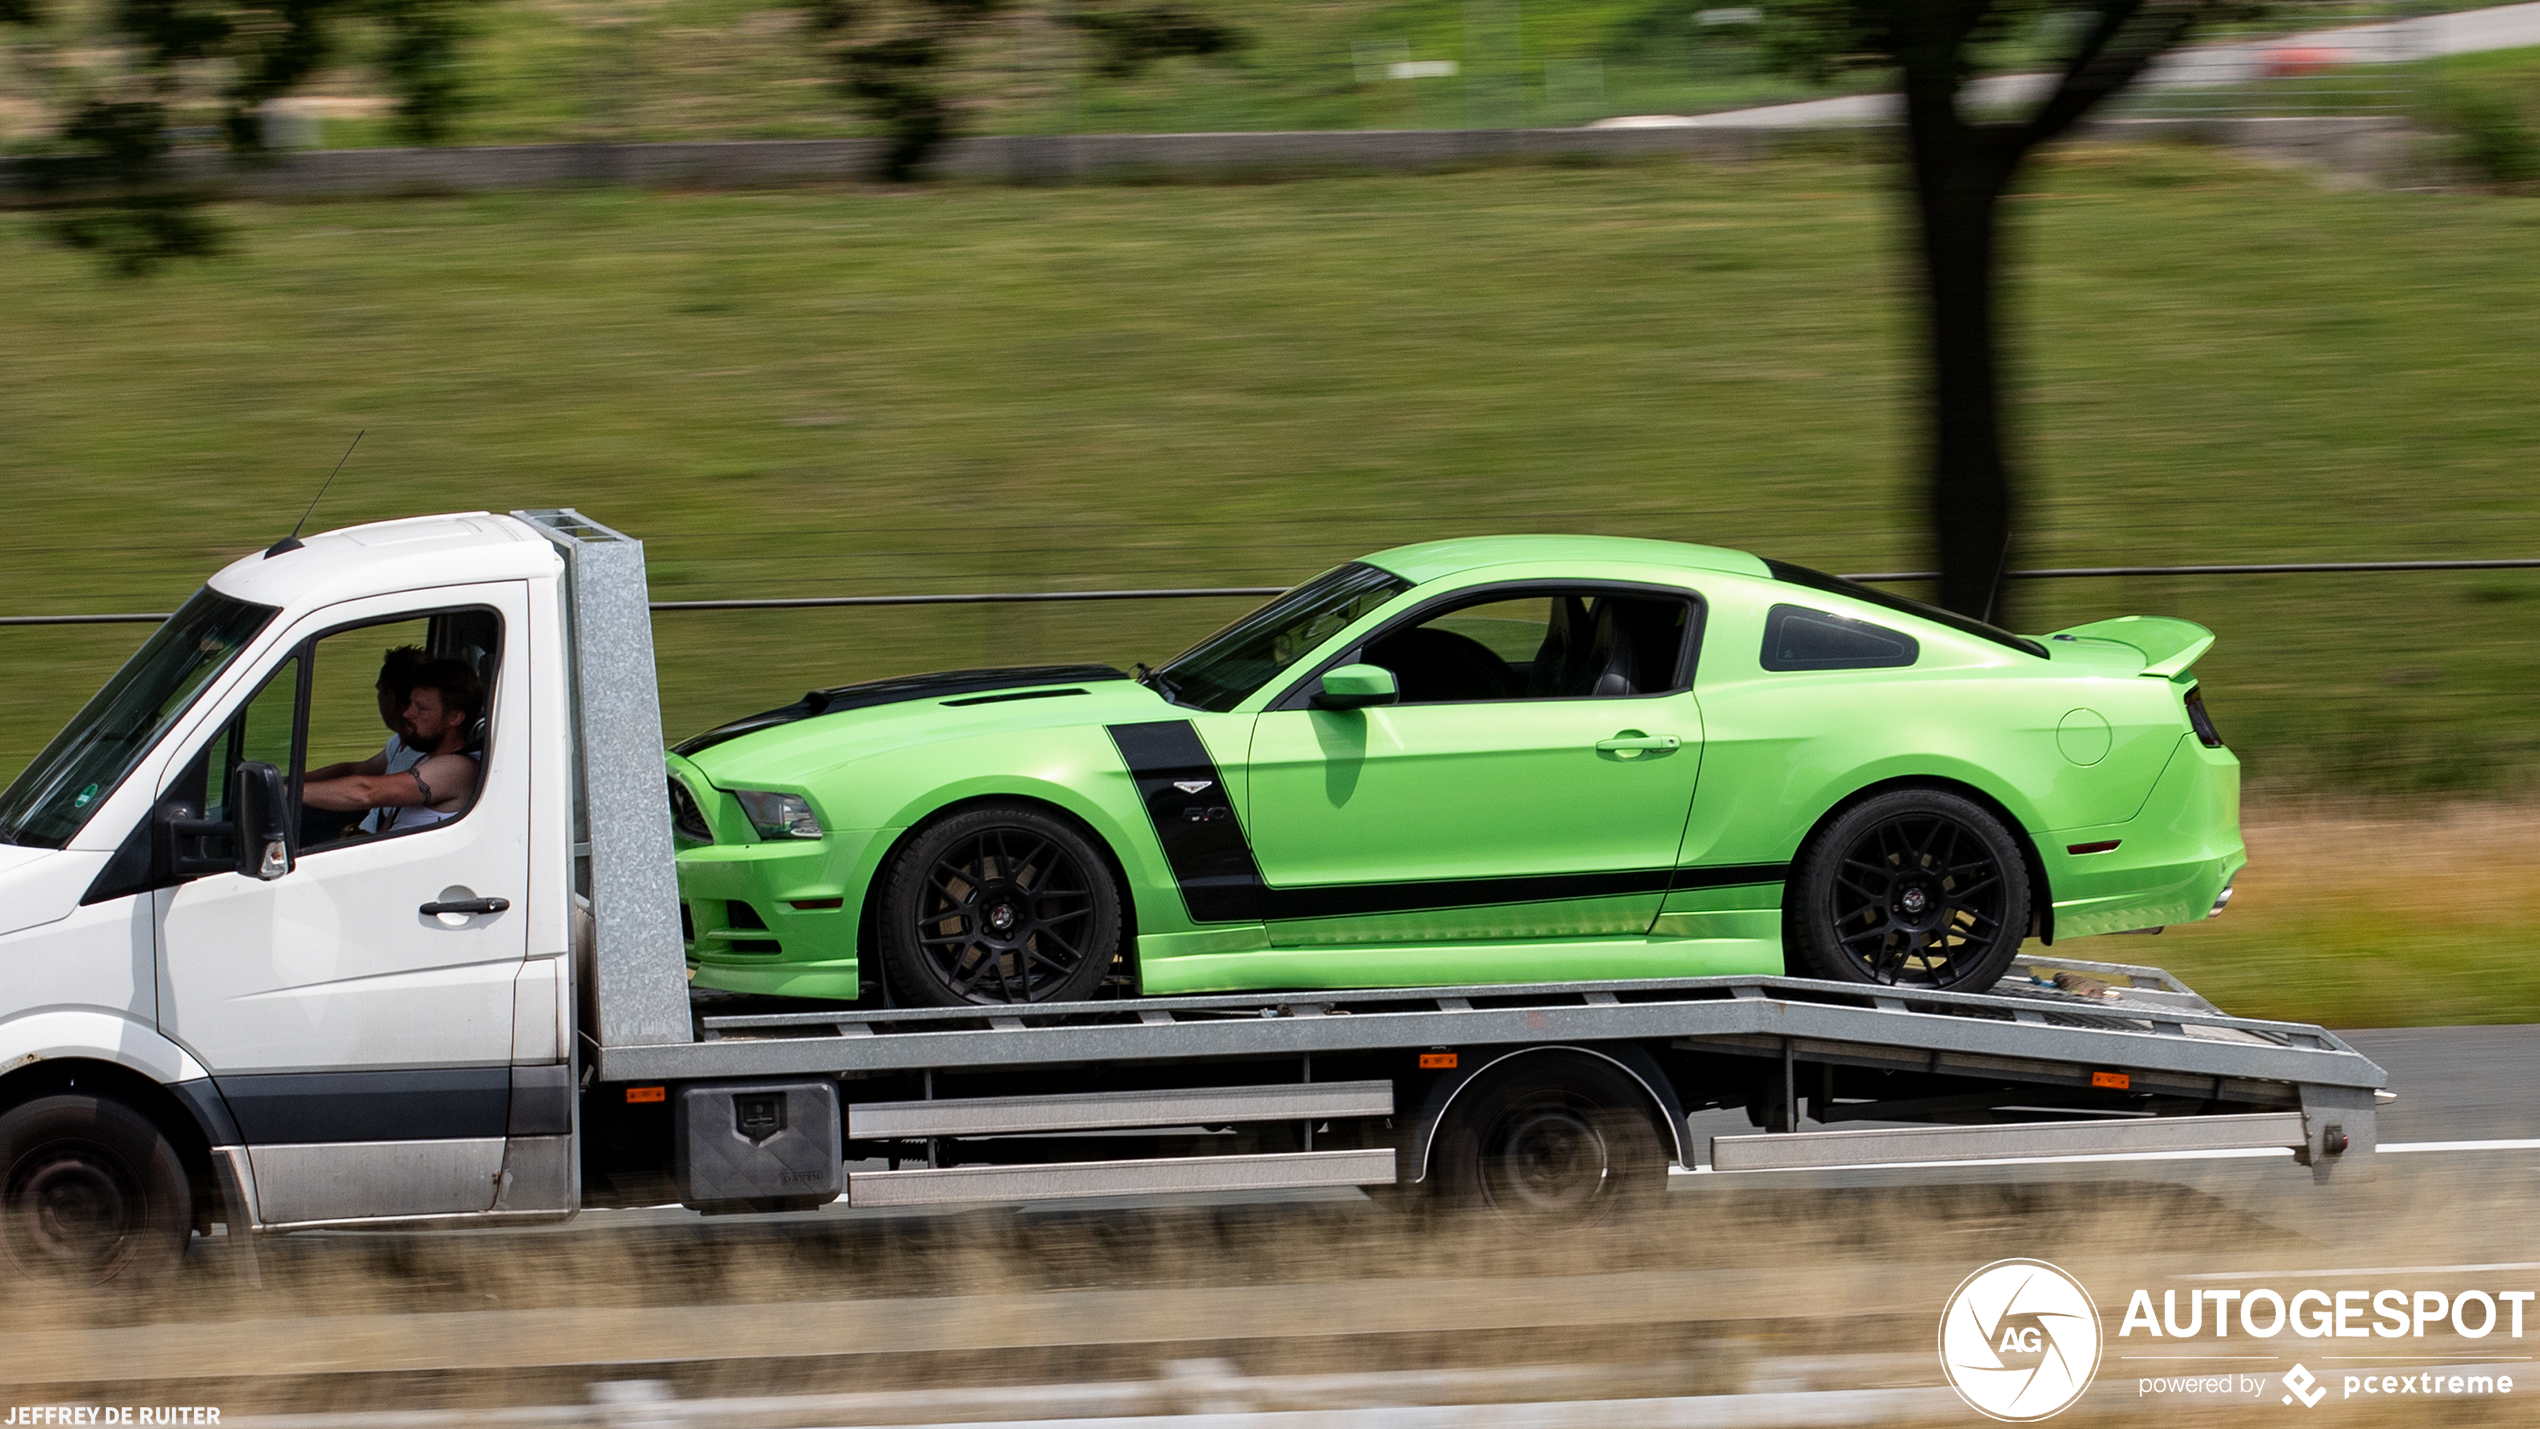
column 2170, row 647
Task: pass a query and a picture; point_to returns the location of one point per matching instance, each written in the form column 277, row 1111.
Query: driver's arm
column 442, row 779
column 349, row 792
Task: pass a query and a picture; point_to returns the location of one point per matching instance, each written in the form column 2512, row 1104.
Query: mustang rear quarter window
column 1789, row 574
column 1797, row 638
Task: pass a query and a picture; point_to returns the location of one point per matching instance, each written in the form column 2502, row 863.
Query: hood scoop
column 901, row 689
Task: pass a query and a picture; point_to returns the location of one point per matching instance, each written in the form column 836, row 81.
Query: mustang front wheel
column 996, row 905
column 1918, row 887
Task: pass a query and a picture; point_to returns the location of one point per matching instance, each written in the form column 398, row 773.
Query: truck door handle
column 1639, row 744
column 465, row 905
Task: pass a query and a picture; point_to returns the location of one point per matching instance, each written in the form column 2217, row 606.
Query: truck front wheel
column 90, row 1193
column 999, row 904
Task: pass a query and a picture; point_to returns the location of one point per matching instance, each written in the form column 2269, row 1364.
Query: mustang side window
column 1797, row 638
column 1549, row 645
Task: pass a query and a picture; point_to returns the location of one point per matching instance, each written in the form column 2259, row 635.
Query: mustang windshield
column 48, row 802
column 1217, row 673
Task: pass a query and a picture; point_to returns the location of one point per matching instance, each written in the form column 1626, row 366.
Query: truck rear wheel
column 1551, row 1141
column 90, row 1193
column 999, row 904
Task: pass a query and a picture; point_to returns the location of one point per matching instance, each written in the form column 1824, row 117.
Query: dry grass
column 2356, row 917
column 1728, row 1288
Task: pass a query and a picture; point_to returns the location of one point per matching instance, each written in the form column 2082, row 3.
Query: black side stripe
column 1203, row 841
column 1194, row 820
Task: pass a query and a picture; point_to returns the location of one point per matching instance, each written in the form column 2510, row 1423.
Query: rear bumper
column 2172, row 860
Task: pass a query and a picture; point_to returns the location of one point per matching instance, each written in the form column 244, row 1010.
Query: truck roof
column 388, row 556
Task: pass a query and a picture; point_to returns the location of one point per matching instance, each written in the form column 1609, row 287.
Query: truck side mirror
column 1353, row 687
column 264, row 824
column 259, row 838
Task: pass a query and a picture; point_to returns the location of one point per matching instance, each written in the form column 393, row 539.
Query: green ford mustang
column 1505, row 759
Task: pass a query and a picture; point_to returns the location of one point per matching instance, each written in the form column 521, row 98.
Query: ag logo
column 2020, row 1340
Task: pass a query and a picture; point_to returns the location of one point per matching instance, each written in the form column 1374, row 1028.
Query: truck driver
column 441, row 709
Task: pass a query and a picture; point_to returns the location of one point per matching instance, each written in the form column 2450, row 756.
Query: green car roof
column 1431, row 560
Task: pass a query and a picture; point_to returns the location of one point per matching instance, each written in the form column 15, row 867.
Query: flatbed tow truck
column 208, row 1020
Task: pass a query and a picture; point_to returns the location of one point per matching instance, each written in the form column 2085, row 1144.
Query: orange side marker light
column 638, row 1095
column 1437, row 1061
column 2113, row 1081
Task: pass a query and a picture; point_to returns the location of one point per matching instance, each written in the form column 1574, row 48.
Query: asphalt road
column 2458, row 1083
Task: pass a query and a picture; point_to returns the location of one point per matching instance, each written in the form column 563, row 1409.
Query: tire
column 1550, row 1142
column 998, row 905
column 1914, row 888
column 91, row 1194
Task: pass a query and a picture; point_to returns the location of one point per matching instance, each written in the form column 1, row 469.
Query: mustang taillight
column 2206, row 734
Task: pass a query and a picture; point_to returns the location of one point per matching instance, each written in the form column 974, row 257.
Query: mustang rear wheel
column 1918, row 887
column 996, row 905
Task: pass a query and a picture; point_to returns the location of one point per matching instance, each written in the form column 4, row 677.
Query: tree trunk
column 1959, row 172
column 1970, row 498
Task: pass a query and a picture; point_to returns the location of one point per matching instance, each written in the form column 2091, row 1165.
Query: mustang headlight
column 779, row 816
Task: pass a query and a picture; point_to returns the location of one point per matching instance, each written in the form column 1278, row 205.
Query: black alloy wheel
column 999, row 905
column 1914, row 888
column 91, row 1193
column 1549, row 1141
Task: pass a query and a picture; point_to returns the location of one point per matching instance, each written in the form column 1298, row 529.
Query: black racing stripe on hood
column 899, row 690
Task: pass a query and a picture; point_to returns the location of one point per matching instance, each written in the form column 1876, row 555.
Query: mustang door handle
column 465, row 905
column 1648, row 743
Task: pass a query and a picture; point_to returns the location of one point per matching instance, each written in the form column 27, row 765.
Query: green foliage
column 106, row 168
column 896, row 77
column 896, row 59
column 120, row 149
column 2491, row 138
column 421, row 62
column 1131, row 39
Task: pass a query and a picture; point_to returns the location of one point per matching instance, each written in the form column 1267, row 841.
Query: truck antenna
column 292, row 541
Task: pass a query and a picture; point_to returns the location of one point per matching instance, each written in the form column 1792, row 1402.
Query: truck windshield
column 48, row 802
column 1217, row 673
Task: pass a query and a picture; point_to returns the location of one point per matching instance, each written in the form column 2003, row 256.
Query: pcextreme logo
column 2020, row 1340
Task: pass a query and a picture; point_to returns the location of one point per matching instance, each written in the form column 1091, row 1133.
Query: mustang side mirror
column 264, row 828
column 1354, row 687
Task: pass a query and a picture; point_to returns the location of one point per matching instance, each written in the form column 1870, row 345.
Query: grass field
column 964, row 389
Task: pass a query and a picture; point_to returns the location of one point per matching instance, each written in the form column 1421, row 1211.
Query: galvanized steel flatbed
column 2150, row 1025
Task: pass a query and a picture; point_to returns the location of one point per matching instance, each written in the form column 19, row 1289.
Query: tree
column 106, row 168
column 1962, row 161
column 894, row 56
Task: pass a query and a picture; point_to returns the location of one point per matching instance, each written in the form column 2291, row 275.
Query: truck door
column 362, row 1042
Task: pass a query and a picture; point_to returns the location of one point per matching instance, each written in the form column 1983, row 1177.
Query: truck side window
column 261, row 733
column 397, row 726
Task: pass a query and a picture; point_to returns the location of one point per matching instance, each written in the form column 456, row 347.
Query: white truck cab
column 324, row 1022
